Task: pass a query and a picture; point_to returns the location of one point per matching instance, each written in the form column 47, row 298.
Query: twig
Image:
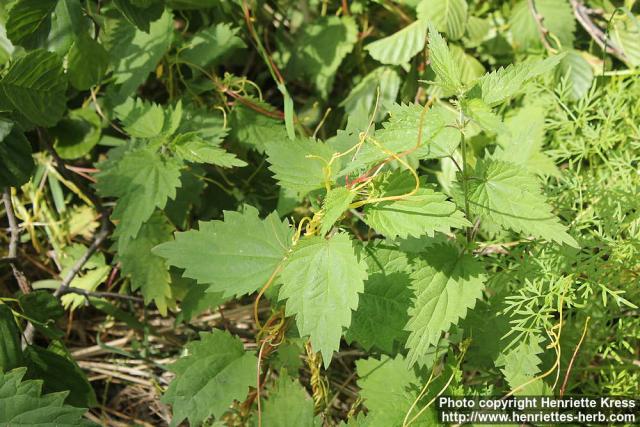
column 542, row 30
column 573, row 358
column 582, row 15
column 23, row 283
column 96, row 294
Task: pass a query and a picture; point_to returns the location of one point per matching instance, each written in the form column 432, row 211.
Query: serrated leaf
column 625, row 32
column 363, row 96
column 29, row 22
column 504, row 83
column 16, row 163
column 215, row 372
column 388, row 389
column 211, row 44
column 35, row 85
column 148, row 272
column 236, row 256
column 299, row 165
column 142, row 119
column 75, row 135
column 142, row 180
column 443, row 63
column 197, row 300
column 382, row 310
column 400, row 47
column 320, row 48
column 556, row 16
column 521, row 142
column 449, row 16
column 140, row 14
column 522, row 363
column 254, row 129
column 446, row 284
column 508, row 195
column 321, row 282
column 335, row 203
column 22, row 404
column 422, row 213
column 483, row 115
column 289, row 405
column 192, row 148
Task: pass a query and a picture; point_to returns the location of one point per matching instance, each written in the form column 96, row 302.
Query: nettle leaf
column 482, row 115
column 254, row 129
column 521, row 142
column 215, row 372
column 211, row 44
column 382, row 311
column 388, row 389
column 400, row 47
column 235, row 256
column 148, row 271
column 29, row 22
column 504, row 83
column 21, row 403
column 142, row 180
column 142, row 119
column 521, row 364
column 16, row 163
column 449, row 16
column 35, row 85
column 321, row 281
column 192, row 148
column 578, row 72
column 289, row 404
column 558, row 19
column 320, row 49
column 508, row 195
column 362, row 98
column 443, row 63
column 299, row 165
column 446, row 284
column 136, row 53
column 335, row 203
column 421, row 213
column 88, row 63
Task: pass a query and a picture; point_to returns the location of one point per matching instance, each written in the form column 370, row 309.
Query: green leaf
column 11, row 350
column 443, row 63
column 382, row 311
column 299, row 165
column 556, row 16
column 521, row 364
column 400, row 47
column 148, row 272
column 521, row 142
column 197, row 300
column 446, row 284
column 16, row 163
column 142, row 180
column 236, row 256
column 288, row 405
column 506, row 194
column 192, row 148
column 88, row 63
column 320, row 48
column 449, row 16
column 211, row 44
column 388, row 389
column 22, row 404
column 136, row 53
column 60, row 374
column 140, row 15
column 41, row 306
column 75, row 135
column 321, row 282
column 142, row 119
column 335, row 203
column 215, row 372
column 625, row 32
column 29, row 22
column 504, row 83
column 254, row 129
column 421, row 213
column 482, row 115
column 384, row 81
column 35, row 85
column 577, row 72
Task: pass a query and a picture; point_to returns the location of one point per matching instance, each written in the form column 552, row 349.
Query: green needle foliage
column 314, row 213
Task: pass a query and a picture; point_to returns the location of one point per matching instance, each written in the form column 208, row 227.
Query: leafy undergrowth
column 315, row 213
